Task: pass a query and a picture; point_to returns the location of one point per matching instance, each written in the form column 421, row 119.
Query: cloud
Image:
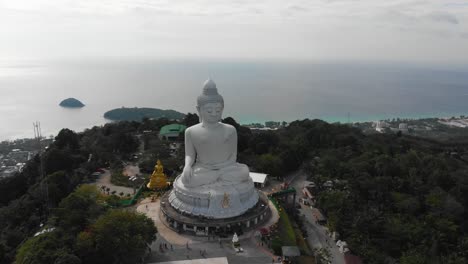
column 368, row 29
column 443, row 17
column 256, row 10
column 456, row 4
column 297, row 8
column 397, row 17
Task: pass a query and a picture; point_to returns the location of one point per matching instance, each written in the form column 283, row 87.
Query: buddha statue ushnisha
column 212, row 183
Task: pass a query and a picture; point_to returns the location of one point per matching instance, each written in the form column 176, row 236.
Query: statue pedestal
column 213, row 201
column 208, row 226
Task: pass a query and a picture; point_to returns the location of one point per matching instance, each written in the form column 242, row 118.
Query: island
column 71, row 103
column 137, row 114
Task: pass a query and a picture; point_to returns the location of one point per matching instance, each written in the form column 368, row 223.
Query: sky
column 434, row 31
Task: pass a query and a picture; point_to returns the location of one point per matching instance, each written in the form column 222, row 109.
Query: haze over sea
column 254, row 91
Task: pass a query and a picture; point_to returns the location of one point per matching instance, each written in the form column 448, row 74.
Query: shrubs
column 286, row 230
column 44, row 248
column 283, row 233
column 119, row 179
column 276, row 245
column 88, row 233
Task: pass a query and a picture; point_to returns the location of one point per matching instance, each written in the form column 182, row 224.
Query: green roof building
column 171, row 132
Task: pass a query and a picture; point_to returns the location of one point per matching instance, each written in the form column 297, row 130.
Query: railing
column 128, row 202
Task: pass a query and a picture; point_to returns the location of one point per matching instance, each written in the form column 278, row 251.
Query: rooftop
column 258, row 177
column 172, row 128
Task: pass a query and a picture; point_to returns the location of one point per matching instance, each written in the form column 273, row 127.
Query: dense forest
column 137, row 114
column 394, row 199
column 77, row 218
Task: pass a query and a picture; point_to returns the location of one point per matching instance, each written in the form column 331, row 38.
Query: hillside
column 137, row 114
column 393, row 198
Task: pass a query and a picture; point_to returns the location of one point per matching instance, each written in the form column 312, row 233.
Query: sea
column 254, row 91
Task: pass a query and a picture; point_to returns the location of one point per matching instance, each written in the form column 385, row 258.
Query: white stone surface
column 212, row 183
column 258, row 177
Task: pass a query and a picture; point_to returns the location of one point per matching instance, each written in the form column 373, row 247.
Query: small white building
column 380, row 126
column 403, row 127
column 308, row 191
column 259, row 179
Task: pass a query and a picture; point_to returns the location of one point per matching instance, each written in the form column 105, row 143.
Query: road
column 317, row 237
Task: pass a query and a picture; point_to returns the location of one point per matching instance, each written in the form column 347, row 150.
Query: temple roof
column 172, row 128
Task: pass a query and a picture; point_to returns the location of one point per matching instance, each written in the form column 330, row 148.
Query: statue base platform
column 204, row 226
column 215, row 201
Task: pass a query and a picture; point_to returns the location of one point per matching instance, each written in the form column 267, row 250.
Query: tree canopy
column 116, row 237
column 392, row 198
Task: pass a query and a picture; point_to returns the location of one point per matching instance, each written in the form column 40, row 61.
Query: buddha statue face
column 210, row 112
column 210, row 104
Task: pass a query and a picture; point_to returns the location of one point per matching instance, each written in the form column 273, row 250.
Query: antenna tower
column 44, row 185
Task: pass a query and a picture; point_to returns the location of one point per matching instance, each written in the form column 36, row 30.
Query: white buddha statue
column 212, row 183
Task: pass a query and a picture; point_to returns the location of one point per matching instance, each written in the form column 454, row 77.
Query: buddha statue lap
column 212, row 183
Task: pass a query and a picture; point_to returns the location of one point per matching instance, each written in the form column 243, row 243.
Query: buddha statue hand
column 187, row 175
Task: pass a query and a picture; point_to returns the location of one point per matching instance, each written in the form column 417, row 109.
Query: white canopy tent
column 259, row 179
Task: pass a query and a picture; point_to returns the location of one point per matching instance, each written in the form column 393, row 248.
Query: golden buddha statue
column 158, row 179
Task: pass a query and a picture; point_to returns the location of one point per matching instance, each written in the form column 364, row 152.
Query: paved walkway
column 317, row 237
column 131, row 170
column 151, row 209
column 185, row 247
column 104, row 180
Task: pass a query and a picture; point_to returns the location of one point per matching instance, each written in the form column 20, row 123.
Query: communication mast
column 43, row 185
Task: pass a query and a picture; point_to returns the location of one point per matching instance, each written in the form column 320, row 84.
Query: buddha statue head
column 210, row 104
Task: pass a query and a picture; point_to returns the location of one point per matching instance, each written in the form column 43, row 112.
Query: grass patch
column 283, row 233
column 285, row 228
column 118, row 179
column 276, row 245
column 302, row 243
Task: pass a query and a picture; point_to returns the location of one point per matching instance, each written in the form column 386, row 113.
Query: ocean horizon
column 253, row 91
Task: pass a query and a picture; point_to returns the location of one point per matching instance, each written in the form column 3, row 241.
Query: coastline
column 328, row 119
column 366, row 118
column 258, row 92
